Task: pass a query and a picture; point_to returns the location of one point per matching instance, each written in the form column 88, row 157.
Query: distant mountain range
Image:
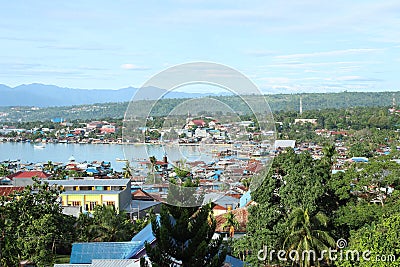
column 41, row 95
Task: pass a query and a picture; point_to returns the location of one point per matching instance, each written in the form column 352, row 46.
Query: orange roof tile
column 8, row 190
column 29, row 174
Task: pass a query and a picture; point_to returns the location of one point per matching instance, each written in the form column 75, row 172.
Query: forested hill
column 277, row 102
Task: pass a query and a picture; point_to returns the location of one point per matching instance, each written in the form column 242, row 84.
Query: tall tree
column 106, row 225
column 374, row 245
column 184, row 238
column 306, row 233
column 4, row 170
column 293, row 181
column 33, row 225
column 127, row 171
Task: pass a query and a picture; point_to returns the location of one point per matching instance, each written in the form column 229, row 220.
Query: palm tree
column 153, row 161
column 4, row 170
column 306, row 235
column 231, row 223
column 49, row 167
column 127, row 172
column 110, row 226
column 329, row 152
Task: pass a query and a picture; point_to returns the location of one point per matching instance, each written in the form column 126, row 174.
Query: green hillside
column 277, row 102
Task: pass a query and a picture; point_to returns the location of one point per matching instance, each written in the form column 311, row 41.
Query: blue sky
column 283, row 46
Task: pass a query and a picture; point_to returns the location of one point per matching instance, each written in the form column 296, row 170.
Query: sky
column 282, row 46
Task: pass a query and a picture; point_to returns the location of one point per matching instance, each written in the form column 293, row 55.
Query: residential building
column 284, row 144
column 107, row 128
column 301, row 121
column 87, row 193
column 5, row 191
column 24, row 178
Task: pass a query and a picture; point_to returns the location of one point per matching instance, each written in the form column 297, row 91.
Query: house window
column 110, row 203
column 76, row 203
column 92, row 204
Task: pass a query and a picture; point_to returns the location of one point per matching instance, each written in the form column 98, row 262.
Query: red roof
column 219, row 207
column 29, row 174
column 254, row 166
column 199, row 122
column 7, row 190
column 241, row 215
column 142, row 195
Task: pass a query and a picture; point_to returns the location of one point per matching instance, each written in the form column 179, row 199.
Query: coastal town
column 140, row 188
column 199, row 133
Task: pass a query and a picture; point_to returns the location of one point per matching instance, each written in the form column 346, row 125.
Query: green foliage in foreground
column 302, row 206
column 184, row 236
column 106, row 225
column 377, row 244
column 33, row 226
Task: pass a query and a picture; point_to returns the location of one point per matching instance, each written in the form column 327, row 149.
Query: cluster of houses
column 223, row 181
column 82, row 194
column 91, row 132
column 210, row 131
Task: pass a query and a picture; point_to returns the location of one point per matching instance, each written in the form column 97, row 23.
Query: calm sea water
column 100, row 152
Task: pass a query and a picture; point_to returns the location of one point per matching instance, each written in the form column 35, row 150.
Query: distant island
column 116, row 109
column 42, row 95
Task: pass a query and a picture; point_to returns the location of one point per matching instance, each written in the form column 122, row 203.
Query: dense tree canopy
column 184, row 238
column 33, row 226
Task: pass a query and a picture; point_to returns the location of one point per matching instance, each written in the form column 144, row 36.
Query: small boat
column 120, row 160
column 39, row 146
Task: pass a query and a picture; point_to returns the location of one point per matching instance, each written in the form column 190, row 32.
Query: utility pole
column 394, row 102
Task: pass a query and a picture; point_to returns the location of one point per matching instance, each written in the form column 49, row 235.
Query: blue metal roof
column 84, row 253
column 141, row 204
column 220, row 199
column 91, row 182
column 359, row 159
column 92, row 170
column 244, row 199
column 145, row 235
column 235, row 262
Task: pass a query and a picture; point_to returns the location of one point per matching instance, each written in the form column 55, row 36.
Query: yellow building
column 88, row 192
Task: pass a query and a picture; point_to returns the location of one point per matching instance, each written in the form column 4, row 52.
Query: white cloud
column 356, row 78
column 129, row 66
column 330, row 53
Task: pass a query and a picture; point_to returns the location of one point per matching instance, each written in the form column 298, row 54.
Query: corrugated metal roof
column 220, row 199
column 72, row 265
column 84, row 253
column 91, row 182
column 105, row 263
column 115, row 263
column 7, row 190
column 245, row 198
column 141, row 204
column 29, row 174
column 234, row 262
column 91, row 192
